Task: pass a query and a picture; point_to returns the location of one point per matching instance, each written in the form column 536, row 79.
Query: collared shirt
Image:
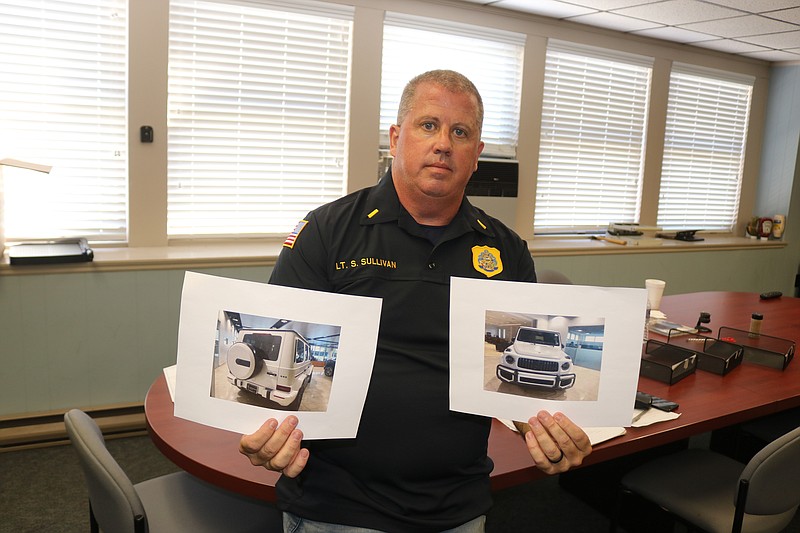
column 415, row 465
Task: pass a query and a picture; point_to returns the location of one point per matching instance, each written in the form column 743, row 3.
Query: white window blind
column 704, row 148
column 490, row 58
column 594, row 116
column 257, row 114
column 63, row 103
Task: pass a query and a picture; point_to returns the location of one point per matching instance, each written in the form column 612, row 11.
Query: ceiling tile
column 756, row 6
column 678, row 35
column 730, row 46
column 787, row 39
column 548, row 8
column 789, row 15
column 605, row 5
column 740, row 26
column 774, row 55
column 674, row 12
column 729, row 26
column 614, row 22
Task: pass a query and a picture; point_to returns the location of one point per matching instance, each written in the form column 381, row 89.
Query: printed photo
column 249, row 351
column 517, row 348
column 274, row 362
column 552, row 357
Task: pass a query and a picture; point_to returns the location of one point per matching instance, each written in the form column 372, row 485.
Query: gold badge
column 486, row 260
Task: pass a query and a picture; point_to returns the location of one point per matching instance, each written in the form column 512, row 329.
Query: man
column 414, row 465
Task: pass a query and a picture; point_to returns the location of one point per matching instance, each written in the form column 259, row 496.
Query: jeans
column 295, row 524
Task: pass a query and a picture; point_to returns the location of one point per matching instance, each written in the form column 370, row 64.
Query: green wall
column 95, row 339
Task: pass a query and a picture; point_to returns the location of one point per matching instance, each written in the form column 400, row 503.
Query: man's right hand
column 276, row 448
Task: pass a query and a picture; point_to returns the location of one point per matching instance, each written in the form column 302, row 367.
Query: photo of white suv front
column 537, row 358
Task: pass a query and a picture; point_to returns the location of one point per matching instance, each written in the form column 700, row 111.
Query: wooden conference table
column 707, row 402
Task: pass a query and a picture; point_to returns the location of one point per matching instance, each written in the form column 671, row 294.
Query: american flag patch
column 292, row 238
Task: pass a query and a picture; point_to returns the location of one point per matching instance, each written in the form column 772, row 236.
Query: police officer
column 414, row 465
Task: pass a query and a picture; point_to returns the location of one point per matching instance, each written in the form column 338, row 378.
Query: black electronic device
column 769, row 295
column 704, row 318
column 663, row 405
column 146, row 134
column 687, row 235
column 51, row 252
column 645, row 401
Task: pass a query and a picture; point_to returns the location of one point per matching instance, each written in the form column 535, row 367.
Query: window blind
column 63, row 103
column 257, row 114
column 704, row 146
column 594, row 116
column 490, row 58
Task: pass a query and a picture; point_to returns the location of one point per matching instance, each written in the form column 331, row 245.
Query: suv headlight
column 509, row 359
column 565, row 365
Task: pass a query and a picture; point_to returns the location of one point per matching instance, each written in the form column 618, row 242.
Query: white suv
column 536, row 358
column 273, row 363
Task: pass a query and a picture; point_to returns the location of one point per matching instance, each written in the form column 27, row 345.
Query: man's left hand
column 555, row 443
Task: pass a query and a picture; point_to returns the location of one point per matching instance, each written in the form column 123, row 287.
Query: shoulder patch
column 486, row 260
column 292, row 238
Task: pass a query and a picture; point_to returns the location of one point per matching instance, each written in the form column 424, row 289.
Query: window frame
column 583, row 116
column 147, row 87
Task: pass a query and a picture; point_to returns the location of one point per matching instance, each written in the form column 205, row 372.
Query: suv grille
column 537, row 365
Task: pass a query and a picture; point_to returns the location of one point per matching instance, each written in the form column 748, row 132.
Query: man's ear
column 394, row 133
column 480, row 150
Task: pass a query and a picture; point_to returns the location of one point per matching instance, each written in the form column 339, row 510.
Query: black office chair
column 172, row 503
column 717, row 494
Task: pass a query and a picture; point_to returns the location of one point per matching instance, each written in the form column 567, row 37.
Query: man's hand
column 555, row 443
column 276, row 447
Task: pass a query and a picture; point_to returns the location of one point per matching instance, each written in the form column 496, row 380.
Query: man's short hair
column 449, row 79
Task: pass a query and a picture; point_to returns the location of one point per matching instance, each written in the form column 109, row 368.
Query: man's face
column 436, row 148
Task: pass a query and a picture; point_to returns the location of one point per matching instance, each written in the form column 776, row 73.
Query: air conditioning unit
column 495, row 177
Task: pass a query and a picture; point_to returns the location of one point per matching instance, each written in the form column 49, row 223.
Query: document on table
column 641, row 418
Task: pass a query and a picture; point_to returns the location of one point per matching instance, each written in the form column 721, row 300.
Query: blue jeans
column 295, row 524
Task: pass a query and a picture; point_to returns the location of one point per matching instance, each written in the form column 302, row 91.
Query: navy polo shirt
column 414, row 465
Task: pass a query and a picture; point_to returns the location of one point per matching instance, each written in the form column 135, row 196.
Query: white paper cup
column 655, row 290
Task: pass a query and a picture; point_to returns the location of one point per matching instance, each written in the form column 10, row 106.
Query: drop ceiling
column 763, row 29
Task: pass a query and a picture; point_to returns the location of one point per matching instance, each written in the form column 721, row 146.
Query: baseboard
column 37, row 430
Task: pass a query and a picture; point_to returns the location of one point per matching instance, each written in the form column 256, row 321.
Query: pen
column 609, row 239
column 638, row 416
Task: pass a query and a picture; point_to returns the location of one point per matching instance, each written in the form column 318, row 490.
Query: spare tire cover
column 242, row 360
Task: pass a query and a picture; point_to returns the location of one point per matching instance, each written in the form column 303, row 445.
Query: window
column 704, row 145
column 491, row 59
column 594, row 117
column 257, row 114
column 63, row 104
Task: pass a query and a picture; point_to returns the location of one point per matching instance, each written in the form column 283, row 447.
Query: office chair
column 552, row 276
column 717, row 494
column 171, row 504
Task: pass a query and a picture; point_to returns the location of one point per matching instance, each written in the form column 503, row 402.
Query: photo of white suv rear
column 537, row 358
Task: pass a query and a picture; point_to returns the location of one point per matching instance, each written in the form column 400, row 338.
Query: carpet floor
column 43, row 491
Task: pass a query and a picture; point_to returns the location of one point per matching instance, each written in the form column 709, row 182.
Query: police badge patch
column 486, row 260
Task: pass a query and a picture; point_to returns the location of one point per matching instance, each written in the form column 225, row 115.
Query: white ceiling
column 762, row 29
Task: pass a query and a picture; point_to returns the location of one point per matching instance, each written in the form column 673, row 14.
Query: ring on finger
column 560, row 457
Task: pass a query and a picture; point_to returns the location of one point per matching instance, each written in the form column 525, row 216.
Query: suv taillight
column 284, row 388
